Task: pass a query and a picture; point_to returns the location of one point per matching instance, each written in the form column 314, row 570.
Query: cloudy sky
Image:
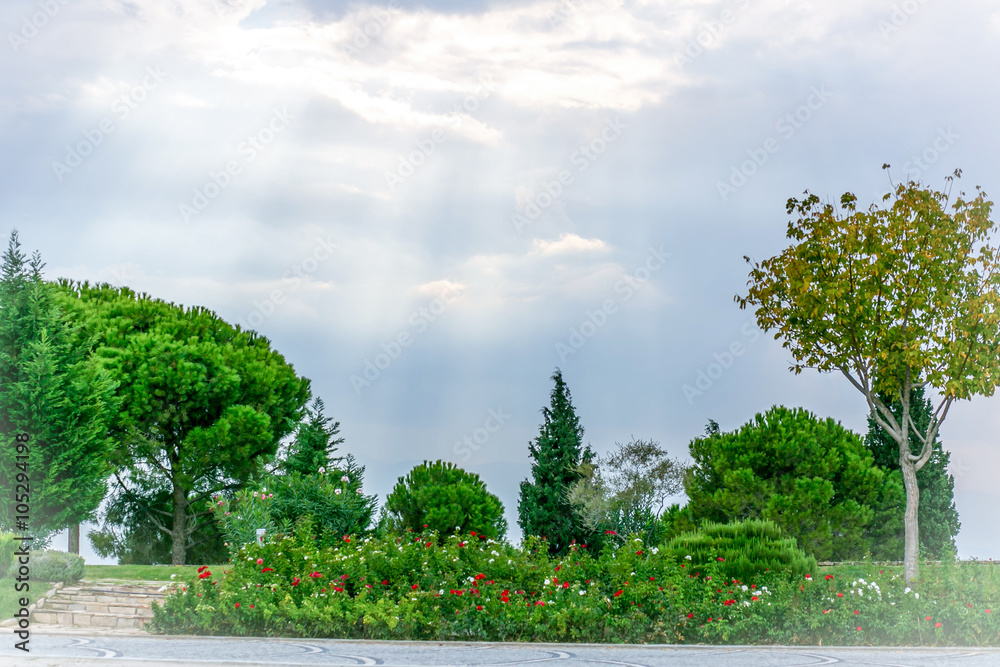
column 428, row 207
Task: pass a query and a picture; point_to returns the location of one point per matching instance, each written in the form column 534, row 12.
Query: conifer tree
column 315, row 443
column 544, row 508
column 51, row 389
column 938, row 517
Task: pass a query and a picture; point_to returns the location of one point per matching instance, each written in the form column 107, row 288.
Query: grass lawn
column 141, row 572
column 9, row 598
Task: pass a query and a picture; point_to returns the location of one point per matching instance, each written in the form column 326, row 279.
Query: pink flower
column 260, row 561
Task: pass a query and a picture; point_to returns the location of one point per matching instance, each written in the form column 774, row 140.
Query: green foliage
column 55, row 566
column 205, row 404
column 136, row 527
column 8, row 545
column 447, row 499
column 938, row 517
column 625, row 491
column 53, row 391
column 543, row 507
column 332, row 503
column 812, row 477
column 413, row 587
column 315, row 443
column 744, row 550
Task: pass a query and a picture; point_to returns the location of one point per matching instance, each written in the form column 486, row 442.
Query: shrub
column 55, row 566
column 744, row 550
column 811, row 476
column 445, row 499
column 8, row 545
column 332, row 501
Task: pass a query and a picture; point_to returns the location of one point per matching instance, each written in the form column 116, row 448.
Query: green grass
column 10, row 599
column 140, row 572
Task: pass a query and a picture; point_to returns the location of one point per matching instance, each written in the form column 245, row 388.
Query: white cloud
column 567, row 243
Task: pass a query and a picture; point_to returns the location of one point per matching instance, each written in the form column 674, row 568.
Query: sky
column 429, row 207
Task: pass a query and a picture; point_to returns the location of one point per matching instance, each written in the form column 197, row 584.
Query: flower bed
column 471, row 588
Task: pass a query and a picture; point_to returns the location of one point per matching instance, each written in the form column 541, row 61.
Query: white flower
column 337, row 491
column 687, row 557
column 322, row 470
column 547, row 582
column 916, row 596
column 345, row 478
column 655, row 550
column 583, row 592
column 173, row 576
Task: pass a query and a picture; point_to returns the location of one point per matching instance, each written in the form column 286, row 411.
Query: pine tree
column 543, row 508
column 938, row 517
column 315, row 443
column 56, row 393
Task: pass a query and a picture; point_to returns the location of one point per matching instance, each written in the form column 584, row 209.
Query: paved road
column 72, row 650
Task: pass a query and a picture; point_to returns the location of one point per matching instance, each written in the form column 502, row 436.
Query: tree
column 812, row 477
column 442, row 497
column 625, row 491
column 938, row 517
column 894, row 298
column 53, row 391
column 544, row 508
column 204, row 404
column 315, row 443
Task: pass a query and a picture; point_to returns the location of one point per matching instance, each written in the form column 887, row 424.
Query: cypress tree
column 315, row 443
column 938, row 517
column 557, row 452
column 51, row 389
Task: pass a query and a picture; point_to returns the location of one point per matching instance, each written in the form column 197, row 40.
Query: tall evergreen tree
column 315, row 443
column 543, row 507
column 53, row 390
column 938, row 517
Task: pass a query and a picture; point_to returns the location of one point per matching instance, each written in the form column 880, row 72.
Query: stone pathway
column 99, row 607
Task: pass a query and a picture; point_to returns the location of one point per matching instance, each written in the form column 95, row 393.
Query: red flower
column 473, row 533
column 385, row 582
column 565, row 584
column 479, row 607
column 428, row 544
column 755, row 598
column 202, row 569
column 610, row 532
column 237, row 605
column 691, row 615
column 652, row 578
column 721, row 559
column 828, row 577
column 857, row 613
column 315, row 575
column 928, row 618
column 251, row 606
column 295, row 581
column 618, row 593
column 988, row 611
column 346, row 538
column 840, row 595
column 937, row 625
column 638, row 553
column 414, row 586
column 728, row 603
column 859, row 628
column 425, row 525
column 267, row 569
column 338, row 589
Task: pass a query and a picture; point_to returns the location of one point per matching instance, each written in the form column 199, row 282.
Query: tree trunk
column 74, row 538
column 911, row 570
column 179, row 532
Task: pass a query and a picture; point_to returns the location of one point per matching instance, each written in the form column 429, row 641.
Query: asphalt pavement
column 72, row 650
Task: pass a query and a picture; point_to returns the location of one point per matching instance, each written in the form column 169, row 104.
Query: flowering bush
column 470, row 588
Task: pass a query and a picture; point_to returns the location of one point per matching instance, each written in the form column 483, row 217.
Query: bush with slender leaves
column 53, row 565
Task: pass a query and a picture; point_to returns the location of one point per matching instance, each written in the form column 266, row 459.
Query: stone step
column 124, row 609
column 86, row 618
column 119, row 598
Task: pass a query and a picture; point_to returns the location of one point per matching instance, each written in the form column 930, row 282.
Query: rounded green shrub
column 442, row 497
column 743, row 550
column 55, row 566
